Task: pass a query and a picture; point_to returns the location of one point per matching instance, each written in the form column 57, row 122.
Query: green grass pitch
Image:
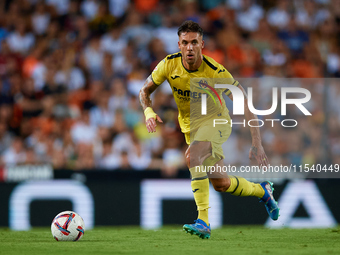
column 172, row 240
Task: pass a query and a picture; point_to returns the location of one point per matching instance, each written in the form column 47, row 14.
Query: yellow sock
column 203, row 215
column 200, row 188
column 243, row 188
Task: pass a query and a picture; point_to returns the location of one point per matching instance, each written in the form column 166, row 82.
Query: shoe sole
column 194, row 232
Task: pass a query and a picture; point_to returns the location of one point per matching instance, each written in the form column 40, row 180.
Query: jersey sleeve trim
column 176, row 55
column 227, row 91
column 154, row 81
column 209, row 64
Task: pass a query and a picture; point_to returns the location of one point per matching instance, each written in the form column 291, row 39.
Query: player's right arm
column 157, row 77
column 145, row 100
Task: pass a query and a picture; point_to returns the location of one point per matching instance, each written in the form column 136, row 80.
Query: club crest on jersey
column 203, row 85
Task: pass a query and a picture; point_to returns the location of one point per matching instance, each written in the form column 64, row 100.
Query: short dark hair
column 190, row 26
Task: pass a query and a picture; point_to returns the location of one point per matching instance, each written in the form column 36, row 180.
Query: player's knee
column 200, row 151
column 220, row 188
column 187, row 157
column 222, row 185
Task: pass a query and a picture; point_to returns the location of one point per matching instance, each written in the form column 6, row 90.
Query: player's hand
column 258, row 153
column 151, row 123
column 151, row 119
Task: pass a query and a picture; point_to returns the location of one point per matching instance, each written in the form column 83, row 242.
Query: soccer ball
column 67, row 226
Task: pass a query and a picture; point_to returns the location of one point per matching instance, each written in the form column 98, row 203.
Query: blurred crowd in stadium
column 71, row 71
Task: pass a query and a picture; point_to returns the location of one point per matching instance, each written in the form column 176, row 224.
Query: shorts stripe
column 236, row 185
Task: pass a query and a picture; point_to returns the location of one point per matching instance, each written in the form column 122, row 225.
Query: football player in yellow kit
column 205, row 141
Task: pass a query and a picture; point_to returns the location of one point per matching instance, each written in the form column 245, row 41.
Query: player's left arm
column 256, row 151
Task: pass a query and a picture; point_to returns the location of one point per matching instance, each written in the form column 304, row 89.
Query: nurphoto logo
column 238, row 105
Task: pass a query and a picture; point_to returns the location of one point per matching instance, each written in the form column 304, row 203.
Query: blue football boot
column 199, row 228
column 270, row 203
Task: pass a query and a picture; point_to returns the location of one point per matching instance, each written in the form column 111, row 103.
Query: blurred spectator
column 37, row 141
column 123, row 63
column 173, row 157
column 82, row 32
column 52, row 34
column 20, row 40
column 3, row 32
column 138, row 156
column 118, row 7
column 277, row 56
column 31, row 158
column 85, row 159
column 147, row 6
column 168, row 34
column 56, row 95
column 279, row 15
column 89, row 8
column 71, row 70
column 15, row 154
column 309, row 16
column 40, row 19
column 30, row 101
column 132, row 113
column 190, row 10
column 10, row 62
column 157, row 52
column 324, row 38
column 263, row 38
column 136, row 31
column 210, row 4
column 61, row 6
column 107, row 70
column 58, row 159
column 103, row 21
column 13, row 14
column 122, row 142
column 69, row 20
column 100, row 115
column 136, row 79
column 5, row 137
column 39, row 71
column 245, row 57
column 113, row 42
column 82, row 132
column 249, row 16
column 119, row 98
column 211, row 50
column 69, row 75
column 234, row 4
column 32, row 60
column 333, row 61
column 294, row 38
column 109, row 160
column 92, row 58
column 304, row 66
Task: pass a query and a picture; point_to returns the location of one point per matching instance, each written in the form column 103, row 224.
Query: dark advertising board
column 148, row 200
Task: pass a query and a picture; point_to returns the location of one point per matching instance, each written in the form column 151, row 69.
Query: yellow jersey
column 188, row 87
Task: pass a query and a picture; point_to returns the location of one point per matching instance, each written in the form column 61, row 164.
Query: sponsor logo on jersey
column 203, row 85
column 186, row 94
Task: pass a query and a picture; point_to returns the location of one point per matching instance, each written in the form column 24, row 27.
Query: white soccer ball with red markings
column 67, row 226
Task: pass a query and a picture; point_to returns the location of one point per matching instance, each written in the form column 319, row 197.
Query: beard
column 191, row 60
